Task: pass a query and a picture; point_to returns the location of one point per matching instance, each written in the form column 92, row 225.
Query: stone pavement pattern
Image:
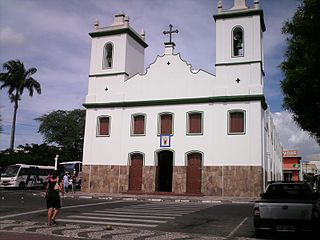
column 21, row 230
column 77, row 231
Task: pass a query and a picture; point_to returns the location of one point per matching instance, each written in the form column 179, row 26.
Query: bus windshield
column 70, row 167
column 11, row 171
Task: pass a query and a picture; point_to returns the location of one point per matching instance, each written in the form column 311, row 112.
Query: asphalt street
column 23, row 216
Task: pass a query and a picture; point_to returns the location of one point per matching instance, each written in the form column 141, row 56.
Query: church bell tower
column 239, row 49
column 117, row 53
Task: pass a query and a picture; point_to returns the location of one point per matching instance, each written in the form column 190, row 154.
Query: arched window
column 237, row 42
column 108, row 55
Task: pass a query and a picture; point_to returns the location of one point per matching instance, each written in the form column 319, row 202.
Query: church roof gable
column 169, row 77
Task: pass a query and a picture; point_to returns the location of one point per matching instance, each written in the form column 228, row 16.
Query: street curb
column 152, row 199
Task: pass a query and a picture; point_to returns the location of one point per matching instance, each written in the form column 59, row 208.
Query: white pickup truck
column 287, row 207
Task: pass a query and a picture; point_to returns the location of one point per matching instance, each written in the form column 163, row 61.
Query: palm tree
column 16, row 79
column 0, row 123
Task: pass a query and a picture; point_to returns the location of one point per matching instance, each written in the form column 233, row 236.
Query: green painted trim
column 108, row 74
column 244, row 13
column 129, row 31
column 239, row 98
column 240, row 63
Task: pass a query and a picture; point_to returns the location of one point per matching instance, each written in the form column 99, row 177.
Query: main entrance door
column 194, row 173
column 164, row 171
column 135, row 172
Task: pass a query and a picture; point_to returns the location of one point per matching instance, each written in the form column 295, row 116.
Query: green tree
column 301, row 84
column 17, row 78
column 34, row 154
column 66, row 129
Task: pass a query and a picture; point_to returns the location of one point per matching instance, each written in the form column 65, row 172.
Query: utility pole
column 56, row 162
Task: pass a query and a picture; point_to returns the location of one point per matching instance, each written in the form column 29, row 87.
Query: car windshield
column 11, row 171
column 288, row 191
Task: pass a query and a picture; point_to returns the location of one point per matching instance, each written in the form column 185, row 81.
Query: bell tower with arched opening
column 117, row 53
column 239, row 50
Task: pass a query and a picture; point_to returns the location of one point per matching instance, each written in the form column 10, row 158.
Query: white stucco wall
column 218, row 147
column 97, row 46
column 252, row 39
column 173, row 81
column 163, row 81
column 128, row 55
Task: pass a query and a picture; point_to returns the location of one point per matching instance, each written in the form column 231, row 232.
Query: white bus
column 25, row 176
column 72, row 168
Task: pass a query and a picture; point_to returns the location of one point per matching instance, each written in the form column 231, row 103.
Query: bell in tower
column 237, row 42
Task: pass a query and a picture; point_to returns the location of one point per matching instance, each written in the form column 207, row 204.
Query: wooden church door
column 135, row 172
column 194, row 173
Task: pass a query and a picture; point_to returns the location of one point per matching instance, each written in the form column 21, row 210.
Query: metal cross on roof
column 170, row 32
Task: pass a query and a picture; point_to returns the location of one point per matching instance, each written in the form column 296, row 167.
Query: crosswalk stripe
column 179, row 204
column 154, row 211
column 165, row 208
column 118, row 219
column 112, row 223
column 173, row 205
column 137, row 212
column 126, row 215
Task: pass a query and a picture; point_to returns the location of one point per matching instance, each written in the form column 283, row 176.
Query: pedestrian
column 74, row 182
column 46, row 180
column 65, row 182
column 54, row 187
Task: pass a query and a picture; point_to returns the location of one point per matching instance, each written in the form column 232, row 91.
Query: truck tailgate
column 285, row 211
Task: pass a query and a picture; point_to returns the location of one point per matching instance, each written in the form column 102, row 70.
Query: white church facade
column 170, row 129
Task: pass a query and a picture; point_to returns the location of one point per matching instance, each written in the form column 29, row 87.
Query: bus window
column 71, row 167
column 11, row 171
column 23, row 171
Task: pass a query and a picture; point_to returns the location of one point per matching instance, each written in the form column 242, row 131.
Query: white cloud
column 292, row 137
column 10, row 38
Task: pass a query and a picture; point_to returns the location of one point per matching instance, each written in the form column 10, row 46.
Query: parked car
column 287, row 207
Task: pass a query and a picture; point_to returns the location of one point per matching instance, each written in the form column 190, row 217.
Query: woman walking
column 54, row 187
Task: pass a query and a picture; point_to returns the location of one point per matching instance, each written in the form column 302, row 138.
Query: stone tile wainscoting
column 240, row 181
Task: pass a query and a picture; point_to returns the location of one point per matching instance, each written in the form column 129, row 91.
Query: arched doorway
column 194, row 173
column 164, row 171
column 135, row 172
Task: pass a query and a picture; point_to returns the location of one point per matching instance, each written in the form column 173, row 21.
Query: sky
column 53, row 37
